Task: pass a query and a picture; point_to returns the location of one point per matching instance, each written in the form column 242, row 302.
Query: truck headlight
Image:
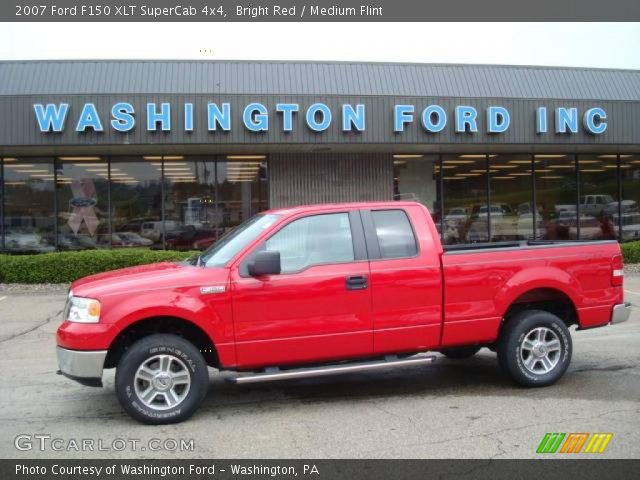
column 83, row 310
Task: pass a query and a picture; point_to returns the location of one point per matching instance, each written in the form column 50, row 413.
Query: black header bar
column 321, row 11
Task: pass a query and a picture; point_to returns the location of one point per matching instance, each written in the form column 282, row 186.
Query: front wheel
column 161, row 379
column 535, row 348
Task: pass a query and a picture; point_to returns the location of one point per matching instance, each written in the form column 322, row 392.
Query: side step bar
column 273, row 374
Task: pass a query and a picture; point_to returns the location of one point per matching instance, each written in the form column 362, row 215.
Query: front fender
column 123, row 312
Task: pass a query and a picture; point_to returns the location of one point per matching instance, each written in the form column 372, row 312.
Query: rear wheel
column 535, row 348
column 161, row 379
column 457, row 353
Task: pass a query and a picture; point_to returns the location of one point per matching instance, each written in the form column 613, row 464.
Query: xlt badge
column 212, row 289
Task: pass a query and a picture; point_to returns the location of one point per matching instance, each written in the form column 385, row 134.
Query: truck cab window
column 313, row 240
column 395, row 235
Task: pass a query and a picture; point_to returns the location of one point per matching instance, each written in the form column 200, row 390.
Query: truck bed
column 481, row 281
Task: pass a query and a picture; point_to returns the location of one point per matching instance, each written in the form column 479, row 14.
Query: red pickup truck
column 326, row 289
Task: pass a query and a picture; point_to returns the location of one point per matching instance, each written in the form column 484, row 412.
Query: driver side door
column 318, row 308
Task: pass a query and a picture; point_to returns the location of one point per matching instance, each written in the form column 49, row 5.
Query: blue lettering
column 258, row 122
column 353, row 118
column 402, row 114
column 287, row 110
column 219, row 117
column 594, row 120
column 541, row 120
column 89, row 118
column 51, row 118
column 498, row 119
column 427, row 118
column 566, row 118
column 188, row 117
column 164, row 117
column 466, row 116
column 325, row 113
column 123, row 119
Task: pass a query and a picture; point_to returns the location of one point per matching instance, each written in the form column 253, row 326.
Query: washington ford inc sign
column 318, row 117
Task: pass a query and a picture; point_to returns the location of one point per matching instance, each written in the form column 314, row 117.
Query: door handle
column 357, row 282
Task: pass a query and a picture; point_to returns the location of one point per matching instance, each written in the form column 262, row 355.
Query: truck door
column 406, row 281
column 318, row 307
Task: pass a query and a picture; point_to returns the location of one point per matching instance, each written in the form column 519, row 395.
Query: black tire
column 187, row 359
column 514, row 354
column 458, row 353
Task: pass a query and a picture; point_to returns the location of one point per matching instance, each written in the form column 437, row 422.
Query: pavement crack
column 500, row 445
column 610, row 368
column 29, row 330
column 391, row 414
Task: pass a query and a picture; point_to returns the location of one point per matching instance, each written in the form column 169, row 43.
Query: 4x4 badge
column 212, row 289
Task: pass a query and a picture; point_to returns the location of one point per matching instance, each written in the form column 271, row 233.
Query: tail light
column 617, row 271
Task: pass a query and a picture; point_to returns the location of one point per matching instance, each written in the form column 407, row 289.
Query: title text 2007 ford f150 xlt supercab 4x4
column 326, row 289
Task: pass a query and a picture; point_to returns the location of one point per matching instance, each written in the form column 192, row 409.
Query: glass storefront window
column 630, row 204
column 207, row 196
column 136, row 202
column 242, row 188
column 417, row 178
column 464, row 179
column 82, row 194
column 598, row 196
column 556, row 195
column 29, row 205
column 512, row 211
column 191, row 212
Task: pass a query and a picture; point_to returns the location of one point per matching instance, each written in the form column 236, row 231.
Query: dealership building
column 172, row 154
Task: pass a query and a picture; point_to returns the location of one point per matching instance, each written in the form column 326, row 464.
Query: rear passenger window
column 395, row 235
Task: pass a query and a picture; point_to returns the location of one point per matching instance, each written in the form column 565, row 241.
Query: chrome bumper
column 620, row 313
column 84, row 367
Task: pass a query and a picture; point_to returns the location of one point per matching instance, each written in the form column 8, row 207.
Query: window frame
column 357, row 241
column 371, row 235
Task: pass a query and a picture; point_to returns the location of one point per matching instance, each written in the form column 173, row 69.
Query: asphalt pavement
column 450, row 409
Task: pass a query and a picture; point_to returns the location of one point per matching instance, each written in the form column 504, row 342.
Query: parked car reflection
column 70, row 241
column 135, row 239
column 630, row 226
column 25, row 241
column 191, row 238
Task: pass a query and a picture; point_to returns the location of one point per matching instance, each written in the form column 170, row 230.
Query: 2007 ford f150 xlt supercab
column 327, row 289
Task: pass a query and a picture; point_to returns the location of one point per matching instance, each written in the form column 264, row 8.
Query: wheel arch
column 538, row 288
column 167, row 324
column 548, row 299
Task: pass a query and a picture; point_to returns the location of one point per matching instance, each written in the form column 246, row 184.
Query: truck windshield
column 232, row 242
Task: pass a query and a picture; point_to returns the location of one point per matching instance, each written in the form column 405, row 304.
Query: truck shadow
column 479, row 376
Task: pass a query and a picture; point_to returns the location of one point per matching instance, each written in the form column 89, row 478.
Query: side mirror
column 265, row 263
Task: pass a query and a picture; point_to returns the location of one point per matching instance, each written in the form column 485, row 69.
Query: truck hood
column 154, row 276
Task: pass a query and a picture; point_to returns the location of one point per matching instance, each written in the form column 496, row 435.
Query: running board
column 273, row 374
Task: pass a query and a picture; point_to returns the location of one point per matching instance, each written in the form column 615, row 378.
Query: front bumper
column 83, row 366
column 620, row 313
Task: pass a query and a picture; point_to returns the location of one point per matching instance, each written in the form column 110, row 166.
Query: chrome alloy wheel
column 540, row 350
column 162, row 382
